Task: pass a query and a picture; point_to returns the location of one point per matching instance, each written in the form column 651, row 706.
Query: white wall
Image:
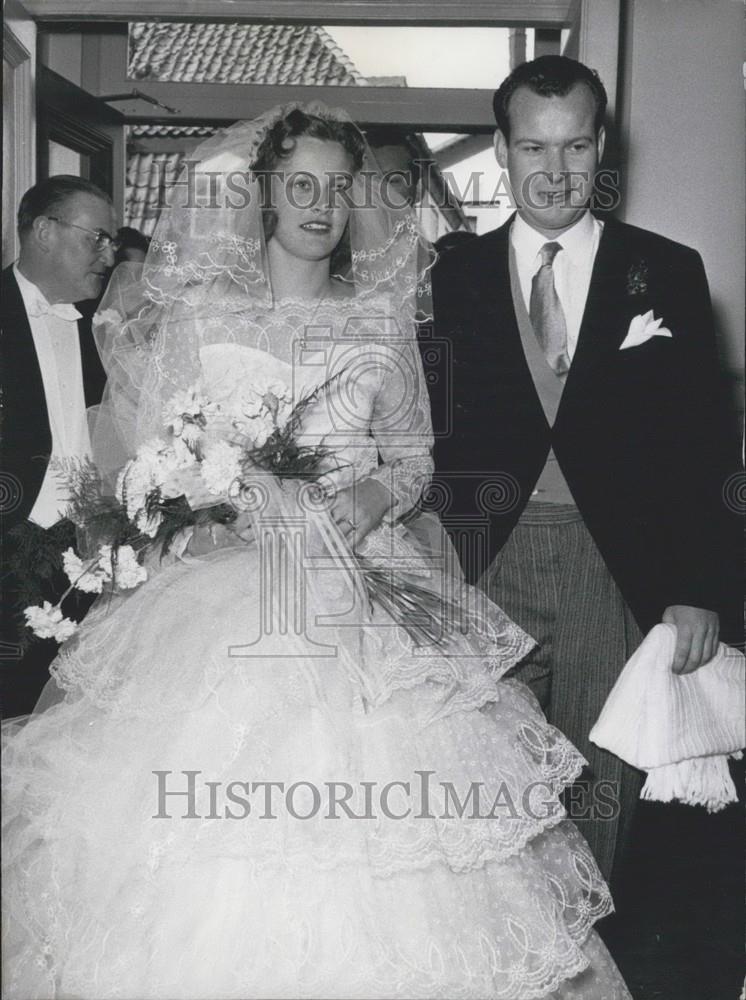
column 479, row 176
column 19, row 118
column 63, row 53
column 683, row 129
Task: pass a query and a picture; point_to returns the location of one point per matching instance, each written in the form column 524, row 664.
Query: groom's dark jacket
column 25, row 447
column 642, row 435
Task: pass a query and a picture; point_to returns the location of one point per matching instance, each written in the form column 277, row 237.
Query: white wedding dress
column 262, row 663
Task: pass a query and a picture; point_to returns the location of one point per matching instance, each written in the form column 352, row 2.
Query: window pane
column 63, row 160
column 429, row 57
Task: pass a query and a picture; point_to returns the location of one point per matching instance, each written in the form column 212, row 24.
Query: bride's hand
column 359, row 509
column 208, row 537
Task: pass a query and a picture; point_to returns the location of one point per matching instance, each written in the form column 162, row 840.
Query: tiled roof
column 172, row 131
column 148, row 174
column 198, row 52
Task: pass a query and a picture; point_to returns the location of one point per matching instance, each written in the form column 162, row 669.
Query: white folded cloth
column 680, row 728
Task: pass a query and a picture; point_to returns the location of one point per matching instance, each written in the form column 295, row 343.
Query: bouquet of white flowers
column 219, row 443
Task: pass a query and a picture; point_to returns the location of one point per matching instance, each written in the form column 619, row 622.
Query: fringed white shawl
column 681, row 729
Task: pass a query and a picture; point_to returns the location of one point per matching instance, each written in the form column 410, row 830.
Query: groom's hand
column 697, row 634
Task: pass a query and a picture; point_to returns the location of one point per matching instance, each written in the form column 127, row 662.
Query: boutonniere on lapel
column 642, row 328
column 644, row 325
column 637, row 278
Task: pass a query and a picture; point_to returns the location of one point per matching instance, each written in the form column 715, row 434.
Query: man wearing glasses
column 50, row 375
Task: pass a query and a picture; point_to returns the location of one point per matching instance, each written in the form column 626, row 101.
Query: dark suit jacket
column 26, row 443
column 642, row 434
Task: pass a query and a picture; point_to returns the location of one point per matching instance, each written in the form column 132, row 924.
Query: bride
column 247, row 777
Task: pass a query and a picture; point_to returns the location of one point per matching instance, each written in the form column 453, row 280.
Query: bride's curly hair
column 279, row 143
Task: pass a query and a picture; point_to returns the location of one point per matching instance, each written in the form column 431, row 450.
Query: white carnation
column 251, row 407
column 220, row 467
column 266, row 397
column 154, row 463
column 191, row 434
column 48, row 622
column 258, row 430
column 186, row 415
column 91, row 578
column 128, row 572
column 182, row 406
column 148, row 524
column 72, row 564
column 265, row 407
column 184, row 453
column 108, row 317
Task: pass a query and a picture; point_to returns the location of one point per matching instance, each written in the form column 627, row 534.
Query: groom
column 587, row 451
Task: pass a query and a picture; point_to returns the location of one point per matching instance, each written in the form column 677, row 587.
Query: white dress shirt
column 572, row 266
column 54, row 329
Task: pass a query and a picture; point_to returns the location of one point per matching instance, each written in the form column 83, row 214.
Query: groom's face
column 551, row 156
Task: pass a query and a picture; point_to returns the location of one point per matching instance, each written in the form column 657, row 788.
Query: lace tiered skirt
column 225, row 802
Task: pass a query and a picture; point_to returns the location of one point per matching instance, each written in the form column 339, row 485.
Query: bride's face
column 310, row 209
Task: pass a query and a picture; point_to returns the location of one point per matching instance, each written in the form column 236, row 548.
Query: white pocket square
column 642, row 328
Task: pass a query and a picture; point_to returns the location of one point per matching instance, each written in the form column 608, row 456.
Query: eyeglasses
column 102, row 241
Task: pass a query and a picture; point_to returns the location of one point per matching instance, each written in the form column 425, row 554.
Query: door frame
column 71, row 116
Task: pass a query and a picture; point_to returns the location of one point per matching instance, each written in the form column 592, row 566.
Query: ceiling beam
column 424, row 109
column 497, row 13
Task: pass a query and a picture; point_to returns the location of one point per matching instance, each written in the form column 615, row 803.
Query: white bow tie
column 62, row 310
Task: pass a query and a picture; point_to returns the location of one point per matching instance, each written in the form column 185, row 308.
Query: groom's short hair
column 549, row 76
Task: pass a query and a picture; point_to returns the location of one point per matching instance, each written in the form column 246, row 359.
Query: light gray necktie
column 547, row 317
